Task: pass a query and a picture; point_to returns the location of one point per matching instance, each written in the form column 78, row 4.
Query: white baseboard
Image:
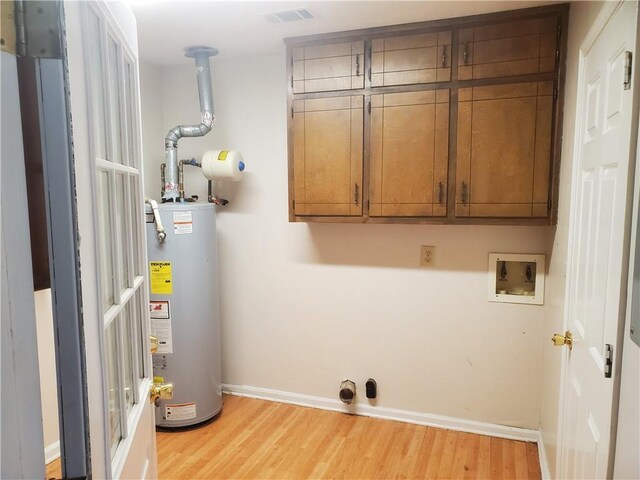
column 51, row 452
column 544, row 462
column 406, row 416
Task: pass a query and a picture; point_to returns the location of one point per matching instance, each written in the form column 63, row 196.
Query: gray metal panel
column 195, row 366
column 65, row 268
column 22, row 440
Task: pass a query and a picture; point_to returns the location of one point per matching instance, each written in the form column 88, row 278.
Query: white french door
column 104, row 92
column 599, row 223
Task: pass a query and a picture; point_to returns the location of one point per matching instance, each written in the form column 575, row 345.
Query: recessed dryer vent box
column 516, row 278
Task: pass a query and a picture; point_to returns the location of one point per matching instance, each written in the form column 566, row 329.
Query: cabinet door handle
column 464, row 193
column 357, row 64
column 440, row 192
column 355, row 194
column 444, row 56
column 465, row 54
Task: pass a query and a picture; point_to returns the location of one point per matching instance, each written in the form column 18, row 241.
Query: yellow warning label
column 160, row 278
column 222, row 156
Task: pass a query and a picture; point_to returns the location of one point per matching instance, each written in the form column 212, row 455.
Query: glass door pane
column 111, row 354
column 106, row 244
column 114, row 101
column 98, row 110
column 123, row 233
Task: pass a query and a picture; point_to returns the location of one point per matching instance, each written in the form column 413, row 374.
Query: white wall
column 48, row 378
column 307, row 305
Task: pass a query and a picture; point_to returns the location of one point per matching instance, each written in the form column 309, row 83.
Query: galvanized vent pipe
column 205, row 93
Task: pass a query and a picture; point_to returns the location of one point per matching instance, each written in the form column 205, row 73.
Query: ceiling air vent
column 289, row 15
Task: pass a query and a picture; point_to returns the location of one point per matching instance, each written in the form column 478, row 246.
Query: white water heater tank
column 184, row 311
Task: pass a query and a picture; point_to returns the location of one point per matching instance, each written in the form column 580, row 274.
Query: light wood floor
column 258, row 439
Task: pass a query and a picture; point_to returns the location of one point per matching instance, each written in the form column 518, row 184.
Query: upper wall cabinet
column 507, row 49
column 504, row 150
column 410, row 59
column 409, row 154
column 455, row 121
column 327, row 156
column 338, row 66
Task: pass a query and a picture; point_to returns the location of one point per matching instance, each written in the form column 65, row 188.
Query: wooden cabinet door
column 339, row 66
column 409, row 154
column 504, row 150
column 327, row 156
column 411, row 59
column 508, row 49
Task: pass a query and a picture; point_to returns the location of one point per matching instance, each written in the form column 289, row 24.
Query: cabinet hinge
column 369, row 106
column 291, row 112
column 369, row 73
column 608, row 360
column 368, row 205
column 559, row 29
column 555, row 93
column 292, row 80
column 627, row 70
column 557, row 56
column 293, row 204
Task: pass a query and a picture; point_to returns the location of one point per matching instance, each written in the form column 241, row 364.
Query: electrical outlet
column 427, row 256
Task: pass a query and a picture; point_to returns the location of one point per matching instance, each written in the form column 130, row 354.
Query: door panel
column 508, row 49
column 598, row 243
column 102, row 44
column 328, row 67
column 409, row 154
column 504, row 150
column 327, row 150
column 406, row 60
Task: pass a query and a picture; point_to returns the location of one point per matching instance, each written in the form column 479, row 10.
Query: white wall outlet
column 427, row 256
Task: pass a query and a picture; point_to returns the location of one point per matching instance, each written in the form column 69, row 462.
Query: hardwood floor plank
column 484, row 457
column 508, row 459
column 496, row 458
column 533, row 461
column 520, row 457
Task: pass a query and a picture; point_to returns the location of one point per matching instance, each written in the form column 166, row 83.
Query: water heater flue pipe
column 203, row 73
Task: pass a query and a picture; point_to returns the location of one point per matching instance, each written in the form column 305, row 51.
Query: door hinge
column 627, row 70
column 608, row 360
column 368, row 205
column 369, row 106
column 38, row 29
column 557, row 56
column 559, row 29
column 369, row 73
column 291, row 112
column 292, row 80
column 555, row 93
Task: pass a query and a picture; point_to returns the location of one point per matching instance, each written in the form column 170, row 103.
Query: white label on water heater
column 182, row 223
column 180, row 411
column 161, row 325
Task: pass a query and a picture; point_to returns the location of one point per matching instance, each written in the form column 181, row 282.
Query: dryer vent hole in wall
column 347, row 391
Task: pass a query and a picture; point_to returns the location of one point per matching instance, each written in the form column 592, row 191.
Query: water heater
column 184, row 309
column 183, row 273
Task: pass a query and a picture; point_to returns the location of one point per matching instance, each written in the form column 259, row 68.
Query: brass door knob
column 154, row 343
column 566, row 339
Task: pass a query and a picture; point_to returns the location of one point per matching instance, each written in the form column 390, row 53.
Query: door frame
column 608, row 10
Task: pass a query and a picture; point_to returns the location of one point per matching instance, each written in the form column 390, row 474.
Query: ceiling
column 240, row 28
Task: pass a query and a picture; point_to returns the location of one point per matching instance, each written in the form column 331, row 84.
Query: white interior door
column 597, row 271
column 104, row 92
